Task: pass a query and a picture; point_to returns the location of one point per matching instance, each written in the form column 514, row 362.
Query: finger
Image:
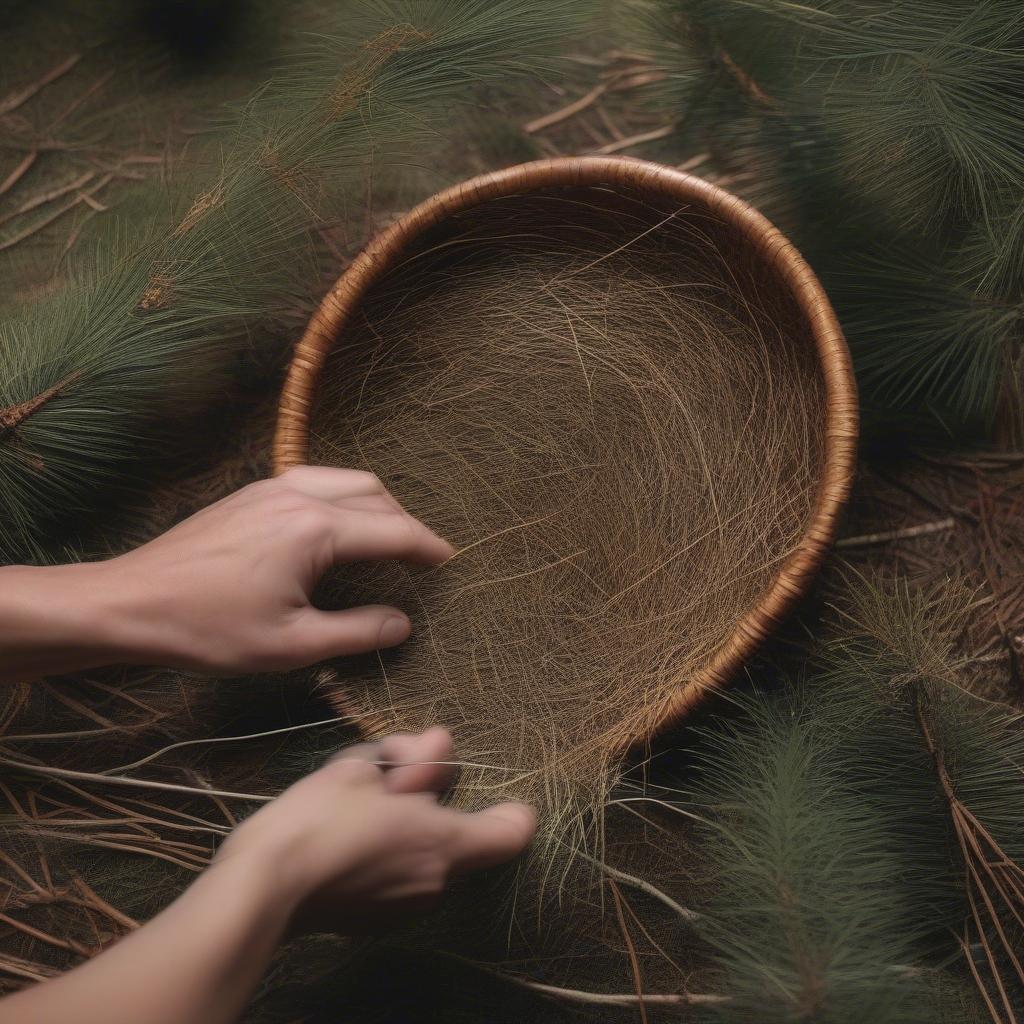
column 412, row 761
column 363, row 536
column 329, row 484
column 319, row 635
column 491, row 836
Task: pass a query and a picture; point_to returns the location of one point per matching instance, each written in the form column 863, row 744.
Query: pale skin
column 350, row 848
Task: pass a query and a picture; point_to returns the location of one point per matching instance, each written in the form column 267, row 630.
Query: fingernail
column 393, row 631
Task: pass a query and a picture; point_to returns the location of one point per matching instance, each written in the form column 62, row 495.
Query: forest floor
column 931, row 515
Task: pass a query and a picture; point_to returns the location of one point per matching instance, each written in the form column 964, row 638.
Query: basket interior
column 614, row 408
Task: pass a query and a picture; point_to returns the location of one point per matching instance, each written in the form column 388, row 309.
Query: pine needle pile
column 617, row 421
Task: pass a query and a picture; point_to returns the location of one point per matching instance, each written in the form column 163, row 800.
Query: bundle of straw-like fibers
column 616, row 416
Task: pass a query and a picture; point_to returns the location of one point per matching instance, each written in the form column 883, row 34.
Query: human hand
column 352, row 846
column 228, row 590
column 363, row 840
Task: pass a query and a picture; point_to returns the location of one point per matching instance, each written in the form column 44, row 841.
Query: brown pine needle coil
column 616, row 408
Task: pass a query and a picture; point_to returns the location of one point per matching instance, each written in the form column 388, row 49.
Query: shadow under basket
column 625, row 399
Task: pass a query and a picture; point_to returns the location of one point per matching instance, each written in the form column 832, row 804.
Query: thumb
column 322, row 635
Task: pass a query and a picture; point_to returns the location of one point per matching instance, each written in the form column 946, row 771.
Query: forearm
column 49, row 621
column 64, row 618
column 199, row 960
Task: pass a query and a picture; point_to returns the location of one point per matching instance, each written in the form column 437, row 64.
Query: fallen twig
column 16, row 99
column 694, row 161
column 46, row 197
column 41, row 936
column 27, row 969
column 634, row 963
column 82, row 197
column 643, row 886
column 81, row 98
column 635, row 140
column 614, row 998
column 575, row 995
column 563, row 114
column 906, row 533
column 97, row 901
column 16, row 175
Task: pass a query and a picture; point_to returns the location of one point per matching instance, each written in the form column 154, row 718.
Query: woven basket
column 763, row 244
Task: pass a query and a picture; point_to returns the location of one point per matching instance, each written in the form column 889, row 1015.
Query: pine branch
column 887, row 141
column 832, row 874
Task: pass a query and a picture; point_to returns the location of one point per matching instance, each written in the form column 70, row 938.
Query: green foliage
column 887, row 139
column 814, row 919
column 918, row 313
column 105, row 375
column 903, row 642
column 841, row 884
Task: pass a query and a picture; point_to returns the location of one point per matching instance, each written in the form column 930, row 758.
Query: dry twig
column 19, row 171
column 571, row 110
column 992, row 879
column 16, row 99
column 635, row 140
column 906, row 533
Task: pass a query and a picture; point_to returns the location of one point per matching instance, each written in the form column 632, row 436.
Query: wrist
column 59, row 618
column 258, row 885
column 270, row 871
column 285, row 843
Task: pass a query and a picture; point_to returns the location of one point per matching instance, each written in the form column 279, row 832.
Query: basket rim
column 794, row 577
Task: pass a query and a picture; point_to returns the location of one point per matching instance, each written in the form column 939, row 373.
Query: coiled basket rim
column 291, row 440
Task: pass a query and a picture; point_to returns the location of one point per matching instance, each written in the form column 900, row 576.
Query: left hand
column 226, row 591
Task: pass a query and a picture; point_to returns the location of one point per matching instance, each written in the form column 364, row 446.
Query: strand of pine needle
column 634, row 962
column 334, row 721
column 120, row 780
column 973, row 880
column 967, row 826
column 149, row 813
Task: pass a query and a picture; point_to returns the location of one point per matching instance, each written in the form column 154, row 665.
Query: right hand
column 355, row 846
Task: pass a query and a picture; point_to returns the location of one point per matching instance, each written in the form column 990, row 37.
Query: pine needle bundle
column 106, row 374
column 617, row 421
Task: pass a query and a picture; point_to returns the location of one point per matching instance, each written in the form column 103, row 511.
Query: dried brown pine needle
column 618, row 423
